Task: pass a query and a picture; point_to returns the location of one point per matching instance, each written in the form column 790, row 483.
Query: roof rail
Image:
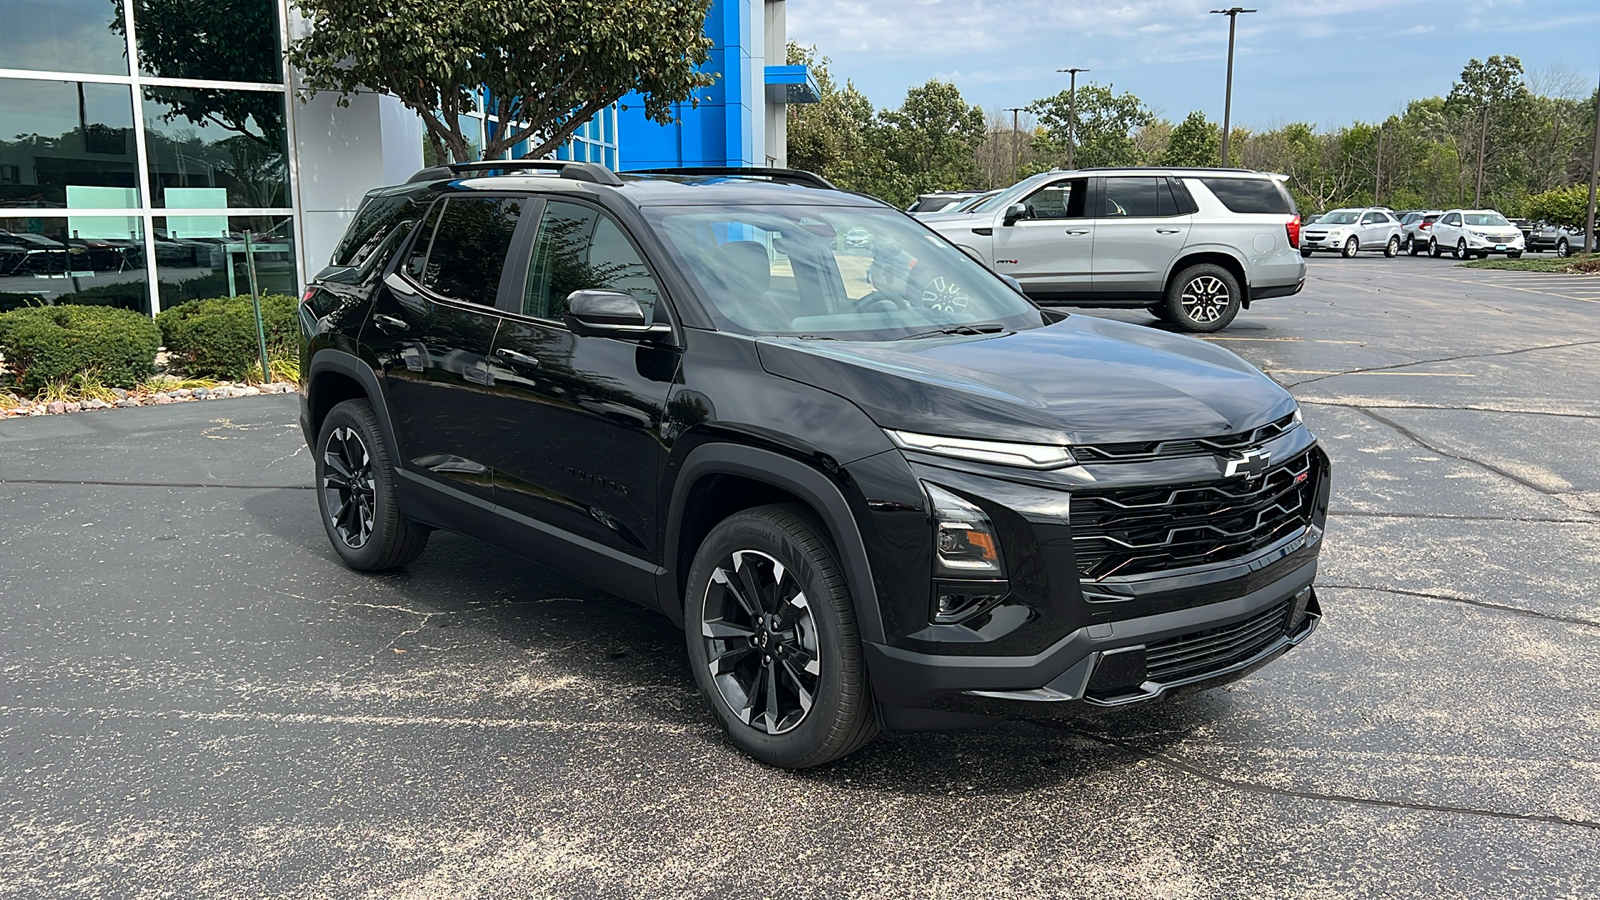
column 593, row 173
column 781, row 176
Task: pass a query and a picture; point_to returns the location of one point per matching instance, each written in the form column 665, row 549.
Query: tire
column 1510, row 254
column 777, row 555
column 1306, row 253
column 1562, row 249
column 1434, row 250
column 1461, row 249
column 1392, row 249
column 1203, row 298
column 1411, row 246
column 356, row 493
column 1483, row 254
column 1351, row 247
column 1160, row 312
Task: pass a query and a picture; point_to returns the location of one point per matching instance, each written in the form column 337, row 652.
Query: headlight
column 965, row 543
column 1298, row 418
column 1027, row 456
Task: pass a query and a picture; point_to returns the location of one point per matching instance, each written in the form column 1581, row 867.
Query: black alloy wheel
column 1392, row 249
column 356, row 490
column 1352, row 246
column 1203, row 298
column 773, row 642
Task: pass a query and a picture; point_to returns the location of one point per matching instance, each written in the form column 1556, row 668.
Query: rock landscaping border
column 127, row 399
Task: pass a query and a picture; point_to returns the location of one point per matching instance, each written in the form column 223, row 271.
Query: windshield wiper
column 977, row 328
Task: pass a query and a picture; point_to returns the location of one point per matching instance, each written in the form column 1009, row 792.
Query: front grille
column 1130, row 531
column 1194, row 654
column 1139, row 452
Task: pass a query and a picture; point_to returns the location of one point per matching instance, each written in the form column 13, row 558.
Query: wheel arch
column 334, row 377
column 720, row 479
column 1215, row 257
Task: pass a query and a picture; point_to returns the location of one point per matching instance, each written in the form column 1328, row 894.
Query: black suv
column 878, row 487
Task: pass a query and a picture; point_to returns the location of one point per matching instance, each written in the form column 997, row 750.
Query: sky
column 1329, row 63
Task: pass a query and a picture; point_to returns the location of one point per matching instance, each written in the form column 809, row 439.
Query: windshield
column 805, row 271
column 1340, row 217
column 973, row 204
column 1492, row 218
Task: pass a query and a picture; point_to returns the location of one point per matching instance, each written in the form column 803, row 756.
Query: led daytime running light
column 1027, row 456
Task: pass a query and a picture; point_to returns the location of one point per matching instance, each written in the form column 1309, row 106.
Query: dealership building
column 140, row 141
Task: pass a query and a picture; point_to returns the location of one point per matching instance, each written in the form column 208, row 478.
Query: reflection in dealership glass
column 793, row 270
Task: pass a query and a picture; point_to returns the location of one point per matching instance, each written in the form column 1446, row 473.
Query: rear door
column 1139, row 231
column 432, row 326
column 574, row 435
column 1050, row 250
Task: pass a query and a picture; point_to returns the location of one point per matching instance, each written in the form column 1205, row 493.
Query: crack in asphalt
column 1488, row 409
column 1188, row 768
column 1464, row 356
column 1539, row 520
column 1482, row 604
column 160, row 484
column 1422, row 442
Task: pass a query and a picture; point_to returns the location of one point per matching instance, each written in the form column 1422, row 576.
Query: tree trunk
column 1483, row 143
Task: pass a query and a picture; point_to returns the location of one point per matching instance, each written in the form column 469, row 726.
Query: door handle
column 1077, row 231
column 1166, row 231
column 517, row 359
column 389, row 324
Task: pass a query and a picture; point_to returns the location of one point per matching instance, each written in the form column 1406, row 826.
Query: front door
column 431, row 330
column 1138, row 233
column 1050, row 249
column 576, row 441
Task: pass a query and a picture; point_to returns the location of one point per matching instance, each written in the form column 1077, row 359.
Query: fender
column 799, row 479
column 346, row 363
column 1190, row 250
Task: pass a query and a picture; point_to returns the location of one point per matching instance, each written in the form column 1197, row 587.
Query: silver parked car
column 1194, row 246
column 1545, row 236
column 1414, row 228
column 1348, row 231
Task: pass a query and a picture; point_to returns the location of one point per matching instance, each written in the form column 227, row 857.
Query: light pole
column 1015, row 133
column 1072, row 112
column 1591, row 241
column 1227, row 99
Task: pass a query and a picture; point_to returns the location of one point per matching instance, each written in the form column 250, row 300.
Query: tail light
column 306, row 297
column 1423, row 226
column 1292, row 227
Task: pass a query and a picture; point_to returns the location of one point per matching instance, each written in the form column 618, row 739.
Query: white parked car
column 1347, row 231
column 1475, row 232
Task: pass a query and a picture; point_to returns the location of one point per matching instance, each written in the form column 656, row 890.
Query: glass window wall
column 86, row 260
column 216, row 148
column 204, row 256
column 63, row 36
column 67, row 143
column 217, row 40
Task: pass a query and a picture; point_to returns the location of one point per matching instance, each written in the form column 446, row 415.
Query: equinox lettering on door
column 586, row 478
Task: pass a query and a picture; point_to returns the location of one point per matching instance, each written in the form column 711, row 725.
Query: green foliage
column 552, row 64
column 1570, row 265
column 931, row 138
column 217, row 338
column 1105, row 132
column 825, row 136
column 1566, row 207
column 1196, row 141
column 45, row 344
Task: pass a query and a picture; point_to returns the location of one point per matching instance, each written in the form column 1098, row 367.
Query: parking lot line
column 1406, row 374
column 1287, row 340
column 1507, row 285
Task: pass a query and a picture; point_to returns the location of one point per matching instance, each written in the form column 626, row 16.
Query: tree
column 1106, row 126
column 1488, row 92
column 1566, row 207
column 544, row 66
column 823, row 136
column 933, row 137
column 1194, row 142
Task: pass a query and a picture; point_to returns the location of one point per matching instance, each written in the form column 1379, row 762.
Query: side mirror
column 1014, row 212
column 599, row 313
column 1014, row 284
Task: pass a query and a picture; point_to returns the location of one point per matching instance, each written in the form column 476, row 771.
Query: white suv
column 1194, row 246
column 1475, row 232
column 1348, row 231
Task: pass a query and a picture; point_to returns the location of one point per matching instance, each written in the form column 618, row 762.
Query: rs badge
column 1250, row 464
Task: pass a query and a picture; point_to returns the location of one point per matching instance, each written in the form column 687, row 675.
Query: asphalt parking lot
column 196, row 699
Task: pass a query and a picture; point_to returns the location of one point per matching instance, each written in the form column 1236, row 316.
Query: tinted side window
column 469, row 248
column 1250, row 195
column 580, row 248
column 370, row 229
column 1181, row 195
column 1130, row 198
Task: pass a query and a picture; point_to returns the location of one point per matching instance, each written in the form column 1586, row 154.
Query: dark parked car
column 909, row 501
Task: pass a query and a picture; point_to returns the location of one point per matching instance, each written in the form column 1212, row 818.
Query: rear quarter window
column 1250, row 195
column 370, row 228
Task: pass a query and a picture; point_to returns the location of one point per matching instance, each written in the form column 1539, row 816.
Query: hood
column 1080, row 381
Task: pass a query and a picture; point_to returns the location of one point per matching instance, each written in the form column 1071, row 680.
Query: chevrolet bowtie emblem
column 1250, row 464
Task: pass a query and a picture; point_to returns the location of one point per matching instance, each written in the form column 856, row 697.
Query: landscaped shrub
column 42, row 344
column 217, row 338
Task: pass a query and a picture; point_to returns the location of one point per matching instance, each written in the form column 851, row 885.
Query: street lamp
column 1227, row 101
column 1072, row 115
column 1015, row 133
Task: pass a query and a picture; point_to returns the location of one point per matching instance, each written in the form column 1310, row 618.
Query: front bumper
column 1101, row 665
column 1327, row 242
column 1495, row 245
